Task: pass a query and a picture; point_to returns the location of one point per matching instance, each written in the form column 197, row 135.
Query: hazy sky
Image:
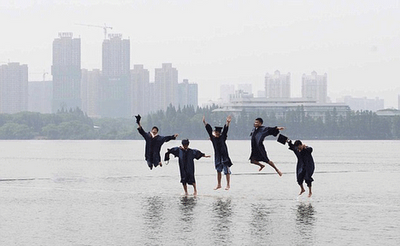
column 212, row 42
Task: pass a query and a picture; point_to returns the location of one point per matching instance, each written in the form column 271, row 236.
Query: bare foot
column 302, row 191
column 218, row 187
column 279, row 172
column 195, row 193
column 261, row 167
column 160, row 164
column 309, row 194
column 227, row 187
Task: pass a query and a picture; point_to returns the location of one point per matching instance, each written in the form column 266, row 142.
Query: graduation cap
column 138, row 117
column 218, row 129
column 282, row 139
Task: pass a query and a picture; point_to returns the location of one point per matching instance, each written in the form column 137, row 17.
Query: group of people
column 222, row 161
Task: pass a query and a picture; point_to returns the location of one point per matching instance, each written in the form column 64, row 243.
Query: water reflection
column 260, row 223
column 222, row 221
column 305, row 219
column 186, row 207
column 153, row 218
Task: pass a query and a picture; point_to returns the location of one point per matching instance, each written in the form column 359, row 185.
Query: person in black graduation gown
column 153, row 144
column 221, row 156
column 258, row 152
column 186, row 158
column 305, row 164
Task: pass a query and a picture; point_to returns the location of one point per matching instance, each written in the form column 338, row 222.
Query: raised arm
column 142, row 132
column 291, row 145
column 307, row 149
column 226, row 126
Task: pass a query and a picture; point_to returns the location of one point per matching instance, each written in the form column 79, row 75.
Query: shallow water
column 102, row 193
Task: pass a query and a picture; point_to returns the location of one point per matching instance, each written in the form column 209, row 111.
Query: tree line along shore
column 187, row 122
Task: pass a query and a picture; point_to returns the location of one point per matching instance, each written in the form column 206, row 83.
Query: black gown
column 258, row 152
column 186, row 162
column 305, row 164
column 221, row 156
column 153, row 147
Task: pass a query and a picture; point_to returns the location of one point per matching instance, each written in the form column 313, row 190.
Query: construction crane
column 105, row 27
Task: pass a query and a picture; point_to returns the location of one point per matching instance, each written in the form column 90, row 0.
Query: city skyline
column 213, row 43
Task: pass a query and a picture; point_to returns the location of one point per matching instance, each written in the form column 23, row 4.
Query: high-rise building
column 226, row 91
column 277, row 85
column 140, row 91
column 66, row 71
column 315, row 87
column 40, row 96
column 115, row 82
column 188, row 94
column 13, row 88
column 90, row 92
column 166, row 81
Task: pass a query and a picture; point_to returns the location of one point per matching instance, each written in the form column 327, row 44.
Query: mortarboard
column 218, row 129
column 282, row 139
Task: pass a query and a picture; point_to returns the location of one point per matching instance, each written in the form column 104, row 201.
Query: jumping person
column 153, row 144
column 186, row 163
column 305, row 164
column 258, row 152
column 221, row 156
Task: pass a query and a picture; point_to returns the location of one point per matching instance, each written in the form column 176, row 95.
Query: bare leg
column 185, row 189
column 219, row 177
column 309, row 191
column 258, row 164
column 274, row 167
column 194, row 189
column 228, row 181
column 302, row 190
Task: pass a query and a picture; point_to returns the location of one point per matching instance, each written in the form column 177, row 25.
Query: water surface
column 102, row 193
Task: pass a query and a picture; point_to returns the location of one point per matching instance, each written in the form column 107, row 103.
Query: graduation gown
column 221, row 156
column 186, row 162
column 305, row 164
column 258, row 152
column 153, row 146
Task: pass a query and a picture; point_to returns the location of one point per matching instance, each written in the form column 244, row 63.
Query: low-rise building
column 280, row 107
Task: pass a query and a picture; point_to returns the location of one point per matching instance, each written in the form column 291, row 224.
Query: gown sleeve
column 291, row 146
column 270, row 131
column 209, row 130
column 308, row 149
column 174, row 151
column 168, row 138
column 142, row 132
column 225, row 131
column 198, row 154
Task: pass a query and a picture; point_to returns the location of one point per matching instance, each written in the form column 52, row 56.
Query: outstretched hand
column 228, row 120
column 207, row 156
column 176, row 135
column 280, row 128
column 204, row 120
